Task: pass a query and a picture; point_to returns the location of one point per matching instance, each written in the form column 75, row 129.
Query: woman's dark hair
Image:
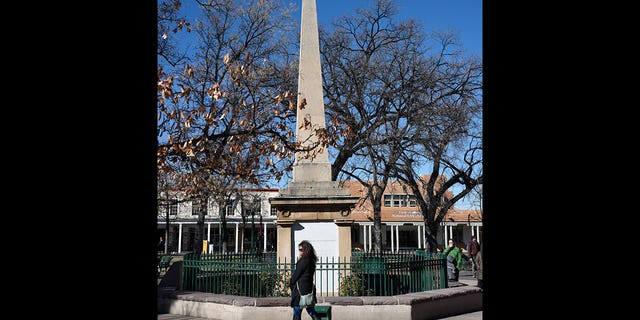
column 308, row 250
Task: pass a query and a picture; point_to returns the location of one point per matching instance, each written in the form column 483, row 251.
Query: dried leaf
column 189, row 71
column 306, row 122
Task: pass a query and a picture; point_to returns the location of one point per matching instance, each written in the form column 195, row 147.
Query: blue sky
column 462, row 16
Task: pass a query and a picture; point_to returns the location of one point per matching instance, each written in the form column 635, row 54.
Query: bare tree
column 371, row 68
column 446, row 118
column 170, row 23
column 476, row 198
column 391, row 90
column 228, row 101
column 227, row 110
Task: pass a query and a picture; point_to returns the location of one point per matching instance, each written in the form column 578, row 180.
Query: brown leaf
column 306, row 122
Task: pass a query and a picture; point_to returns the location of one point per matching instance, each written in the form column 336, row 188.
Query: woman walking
column 302, row 280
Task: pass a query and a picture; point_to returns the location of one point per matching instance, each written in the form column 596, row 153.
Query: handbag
column 305, row 299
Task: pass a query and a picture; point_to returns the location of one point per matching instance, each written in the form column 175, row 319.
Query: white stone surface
column 324, row 238
column 310, row 95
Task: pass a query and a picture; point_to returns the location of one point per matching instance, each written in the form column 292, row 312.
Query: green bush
column 232, row 286
column 275, row 284
column 352, row 285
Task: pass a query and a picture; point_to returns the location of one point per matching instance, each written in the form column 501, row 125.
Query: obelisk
column 312, row 207
column 310, row 113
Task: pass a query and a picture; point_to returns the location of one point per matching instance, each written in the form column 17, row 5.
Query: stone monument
column 312, row 207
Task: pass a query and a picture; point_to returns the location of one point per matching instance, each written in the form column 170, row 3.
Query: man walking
column 472, row 249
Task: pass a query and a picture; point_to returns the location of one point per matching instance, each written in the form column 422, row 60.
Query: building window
column 255, row 208
column 387, row 200
column 274, row 211
column 412, row 201
column 400, row 200
column 258, row 209
column 228, row 208
column 173, row 209
column 195, row 207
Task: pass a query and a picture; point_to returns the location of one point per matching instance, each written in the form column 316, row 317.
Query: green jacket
column 456, row 253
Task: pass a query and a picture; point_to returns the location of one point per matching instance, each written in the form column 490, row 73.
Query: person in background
column 303, row 276
column 472, row 249
column 454, row 258
column 478, row 262
column 161, row 244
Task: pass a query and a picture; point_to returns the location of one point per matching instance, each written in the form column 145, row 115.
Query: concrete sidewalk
column 467, row 316
column 466, row 278
column 168, row 316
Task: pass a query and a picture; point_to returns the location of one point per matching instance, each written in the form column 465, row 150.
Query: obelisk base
column 323, row 202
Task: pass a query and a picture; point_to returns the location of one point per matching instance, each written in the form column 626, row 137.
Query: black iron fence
column 362, row 274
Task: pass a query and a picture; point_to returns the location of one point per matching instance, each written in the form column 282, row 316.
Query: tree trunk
column 202, row 211
column 430, row 236
column 167, row 223
column 377, row 228
column 225, row 235
column 244, row 225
